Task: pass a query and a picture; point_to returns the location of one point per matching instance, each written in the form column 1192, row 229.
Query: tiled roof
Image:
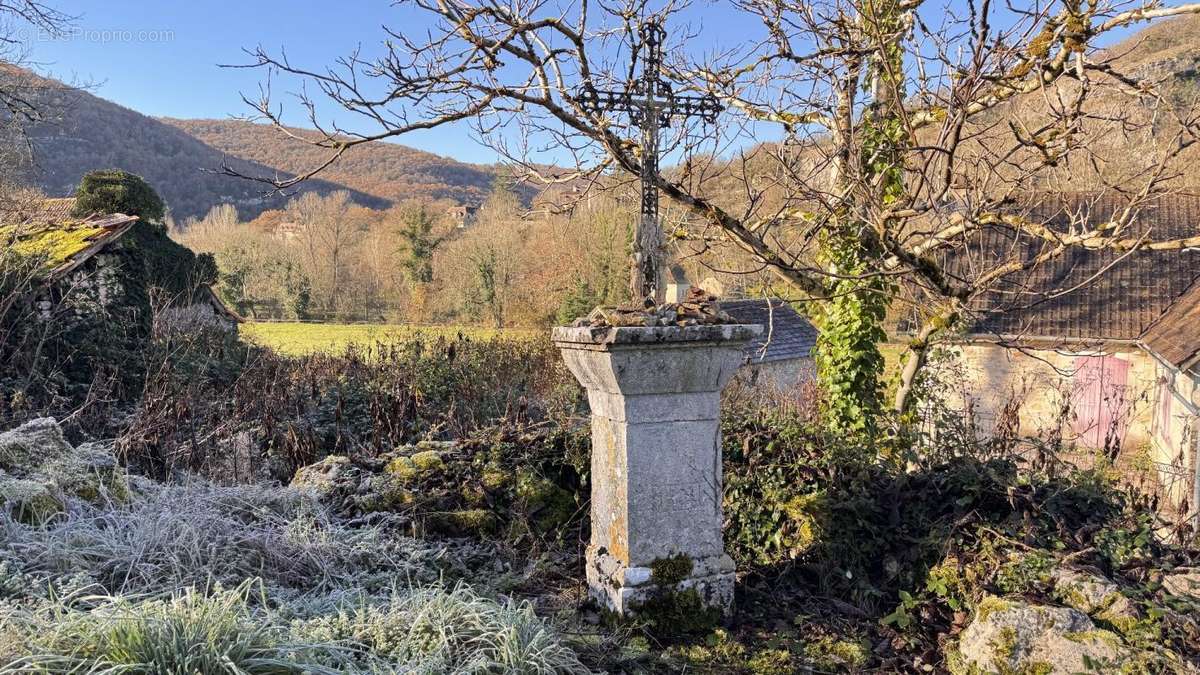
column 61, row 242
column 1175, row 336
column 1086, row 295
column 786, row 334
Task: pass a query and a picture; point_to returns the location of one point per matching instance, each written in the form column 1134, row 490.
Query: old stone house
column 462, row 215
column 1100, row 348
column 782, row 356
column 779, row 359
column 87, row 265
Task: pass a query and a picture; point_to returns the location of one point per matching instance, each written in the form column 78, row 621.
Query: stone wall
column 781, row 375
column 986, row 378
column 91, row 288
column 1174, row 441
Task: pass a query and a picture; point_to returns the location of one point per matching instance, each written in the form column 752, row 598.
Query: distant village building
column 462, row 215
column 288, row 232
column 1111, row 364
column 83, row 264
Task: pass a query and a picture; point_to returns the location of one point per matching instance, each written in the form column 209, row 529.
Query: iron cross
column 651, row 104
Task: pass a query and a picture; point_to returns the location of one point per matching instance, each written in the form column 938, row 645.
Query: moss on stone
column 30, row 501
column 473, row 522
column 407, row 468
column 672, row 570
column 548, row 505
column 90, row 474
column 805, row 512
column 494, row 478
column 1004, row 646
column 428, row 461
column 990, row 605
column 718, row 653
column 51, row 245
column 829, row 654
column 384, row 493
column 671, row 612
column 772, row 662
column 1097, row 635
column 402, row 468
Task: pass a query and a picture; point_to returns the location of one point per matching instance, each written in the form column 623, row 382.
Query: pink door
column 1099, row 398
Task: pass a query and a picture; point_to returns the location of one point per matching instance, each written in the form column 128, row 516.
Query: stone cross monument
column 651, row 104
column 655, row 396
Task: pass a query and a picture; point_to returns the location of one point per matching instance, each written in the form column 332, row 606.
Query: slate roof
column 786, row 334
column 1087, row 295
column 1176, row 335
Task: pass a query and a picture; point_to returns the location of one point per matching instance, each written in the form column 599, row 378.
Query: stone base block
column 624, row 589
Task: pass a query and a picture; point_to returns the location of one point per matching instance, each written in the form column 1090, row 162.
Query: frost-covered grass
column 174, row 536
column 206, row 579
column 243, row 631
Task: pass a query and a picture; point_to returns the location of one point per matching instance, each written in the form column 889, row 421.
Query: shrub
column 117, row 191
column 204, row 408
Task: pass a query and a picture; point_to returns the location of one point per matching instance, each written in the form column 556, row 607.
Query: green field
column 310, row 338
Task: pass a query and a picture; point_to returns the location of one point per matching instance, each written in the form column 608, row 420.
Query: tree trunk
column 918, row 356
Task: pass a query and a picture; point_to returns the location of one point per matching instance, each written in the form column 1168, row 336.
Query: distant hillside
column 385, row 170
column 87, row 132
column 178, row 157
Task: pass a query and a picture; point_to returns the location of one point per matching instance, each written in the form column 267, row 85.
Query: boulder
column 1094, row 595
column 90, row 472
column 30, row 501
column 40, row 472
column 28, row 446
column 1183, row 582
column 333, row 474
column 1013, row 636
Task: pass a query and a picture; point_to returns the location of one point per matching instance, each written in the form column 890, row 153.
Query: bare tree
column 908, row 129
column 327, row 233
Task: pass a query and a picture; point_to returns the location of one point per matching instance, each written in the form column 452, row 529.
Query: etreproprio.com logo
column 100, row 35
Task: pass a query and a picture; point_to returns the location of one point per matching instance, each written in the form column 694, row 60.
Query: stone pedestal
column 656, row 459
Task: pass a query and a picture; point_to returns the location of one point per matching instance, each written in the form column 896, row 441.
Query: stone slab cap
column 602, row 336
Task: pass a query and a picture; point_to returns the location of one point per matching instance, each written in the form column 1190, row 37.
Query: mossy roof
column 59, row 240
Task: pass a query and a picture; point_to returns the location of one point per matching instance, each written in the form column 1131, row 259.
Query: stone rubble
column 1184, row 582
column 40, row 473
column 699, row 308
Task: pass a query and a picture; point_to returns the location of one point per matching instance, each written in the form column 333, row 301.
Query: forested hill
column 386, row 170
column 177, row 157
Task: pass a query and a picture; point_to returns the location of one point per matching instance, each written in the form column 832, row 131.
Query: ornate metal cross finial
column 650, row 103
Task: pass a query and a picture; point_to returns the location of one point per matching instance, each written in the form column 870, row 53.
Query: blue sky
column 170, row 66
column 161, row 57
